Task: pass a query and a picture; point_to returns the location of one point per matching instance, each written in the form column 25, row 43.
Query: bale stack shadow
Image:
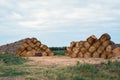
column 27, row 48
column 94, row 48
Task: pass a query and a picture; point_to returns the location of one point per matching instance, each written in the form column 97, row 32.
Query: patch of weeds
column 78, row 77
column 11, row 59
column 30, row 78
column 11, row 72
column 61, row 76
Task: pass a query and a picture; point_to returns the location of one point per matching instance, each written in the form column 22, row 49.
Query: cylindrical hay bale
column 106, row 43
column 48, row 50
column 44, row 47
column 80, row 55
column 74, row 55
column 107, row 53
column 76, row 50
column 81, row 42
column 23, row 53
column 83, row 50
column 100, row 49
column 69, row 49
column 32, row 45
column 109, row 48
column 33, row 52
column 67, row 53
column 42, row 50
column 103, row 56
column 96, row 55
column 29, row 53
column 72, row 44
column 34, row 40
column 21, row 48
column 116, row 51
column 91, row 39
column 96, row 44
column 25, row 45
column 51, row 54
column 86, row 45
column 37, row 48
column 29, row 48
column 105, row 37
column 77, row 44
column 44, row 54
column 87, row 55
column 38, row 43
column 28, row 40
column 92, row 49
column 109, row 56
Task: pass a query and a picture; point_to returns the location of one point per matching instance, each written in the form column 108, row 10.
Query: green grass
column 11, row 59
column 59, row 52
column 11, row 71
column 7, row 65
column 103, row 71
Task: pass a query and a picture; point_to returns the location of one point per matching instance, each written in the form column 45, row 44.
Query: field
column 57, row 68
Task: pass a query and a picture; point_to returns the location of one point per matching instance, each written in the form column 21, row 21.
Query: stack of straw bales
column 27, row 48
column 94, row 48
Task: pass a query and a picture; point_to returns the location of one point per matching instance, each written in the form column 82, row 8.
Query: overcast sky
column 58, row 22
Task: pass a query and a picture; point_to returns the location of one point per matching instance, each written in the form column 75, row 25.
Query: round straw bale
column 96, row 44
column 44, row 54
column 105, row 37
column 67, row 53
column 109, row 48
column 34, row 40
column 77, row 44
column 100, row 49
column 106, row 43
column 104, row 56
column 86, row 45
column 83, row 50
column 92, row 49
column 116, row 51
column 87, row 55
column 80, row 55
column 69, row 49
column 96, row 55
column 91, row 39
column 74, row 55
column 72, row 44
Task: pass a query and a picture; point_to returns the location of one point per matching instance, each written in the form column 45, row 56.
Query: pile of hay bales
column 94, row 48
column 27, row 47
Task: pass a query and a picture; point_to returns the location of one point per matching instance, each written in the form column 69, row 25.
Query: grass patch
column 6, row 71
column 59, row 52
column 103, row 71
column 87, row 72
column 11, row 59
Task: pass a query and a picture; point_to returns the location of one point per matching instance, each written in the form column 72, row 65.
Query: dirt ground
column 65, row 61
column 38, row 63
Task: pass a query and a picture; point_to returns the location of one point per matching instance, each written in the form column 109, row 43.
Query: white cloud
column 73, row 17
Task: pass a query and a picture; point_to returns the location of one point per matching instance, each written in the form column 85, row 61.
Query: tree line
column 57, row 48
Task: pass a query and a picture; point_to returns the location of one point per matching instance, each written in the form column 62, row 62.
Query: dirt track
column 64, row 61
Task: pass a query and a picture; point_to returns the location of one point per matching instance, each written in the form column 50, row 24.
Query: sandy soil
column 64, row 61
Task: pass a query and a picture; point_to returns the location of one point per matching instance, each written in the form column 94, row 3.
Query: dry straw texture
column 27, row 47
column 94, row 48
